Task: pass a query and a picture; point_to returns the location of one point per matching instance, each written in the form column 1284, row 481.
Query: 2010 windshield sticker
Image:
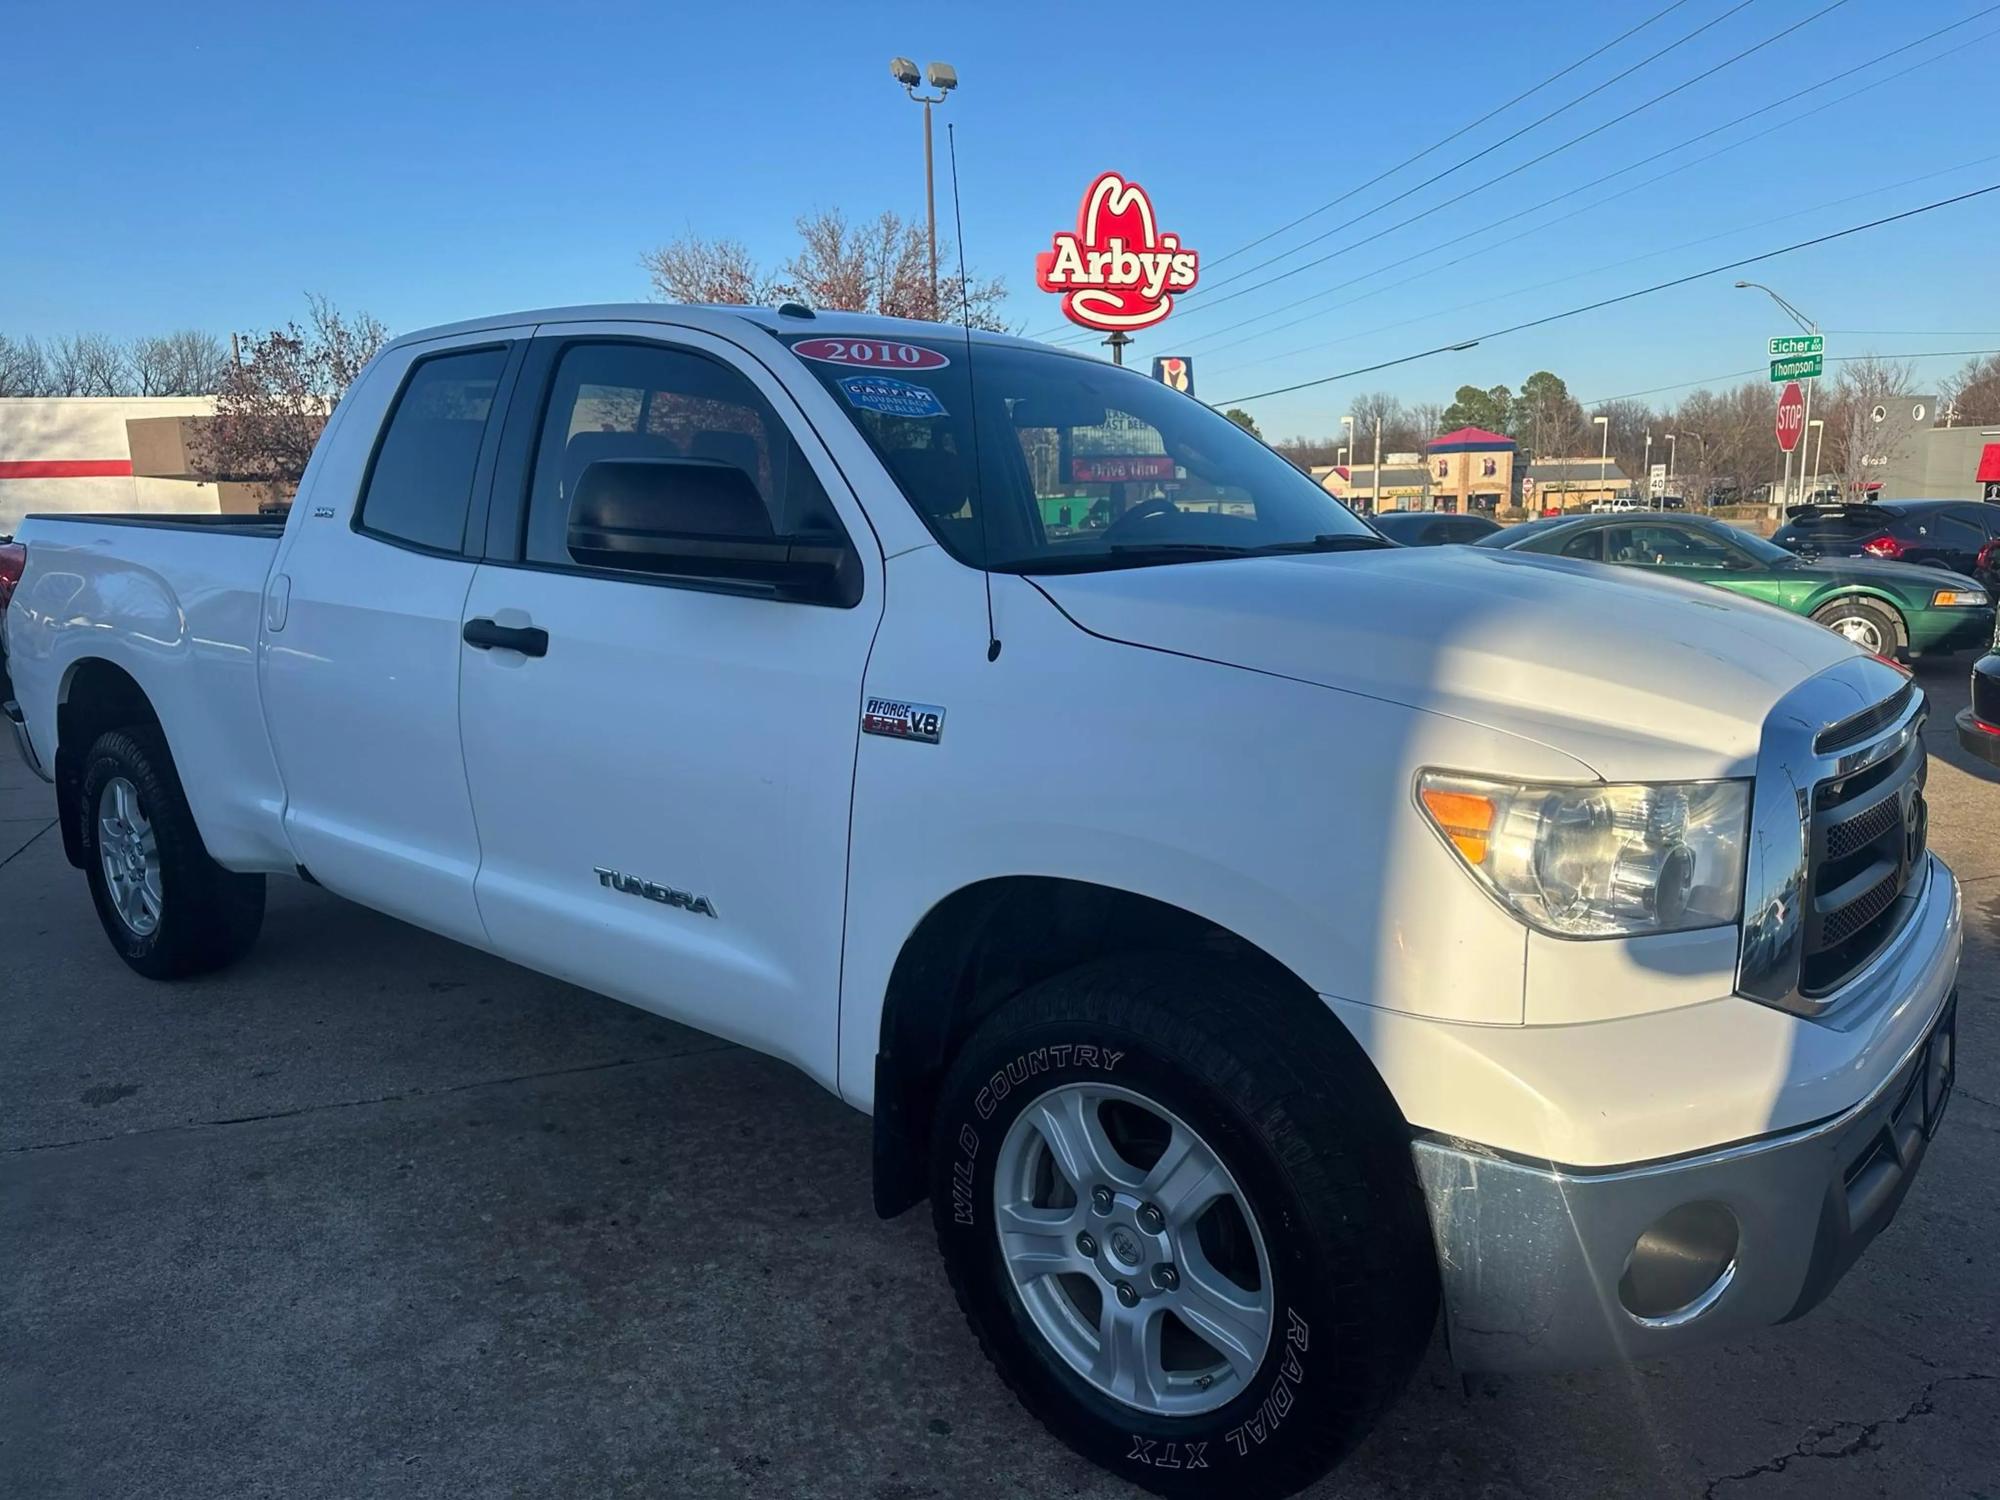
column 890, row 396
column 877, row 354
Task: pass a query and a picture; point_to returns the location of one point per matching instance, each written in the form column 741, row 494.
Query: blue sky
column 207, row 165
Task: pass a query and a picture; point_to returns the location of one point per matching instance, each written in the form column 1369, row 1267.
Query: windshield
column 1073, row 464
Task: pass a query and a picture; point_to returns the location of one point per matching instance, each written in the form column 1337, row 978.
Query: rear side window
column 420, row 485
column 652, row 405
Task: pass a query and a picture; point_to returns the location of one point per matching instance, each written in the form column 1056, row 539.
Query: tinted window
column 1585, row 544
column 421, row 483
column 1953, row 530
column 647, row 404
column 1072, row 464
column 1664, row 547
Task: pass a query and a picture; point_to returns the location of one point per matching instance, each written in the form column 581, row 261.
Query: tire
column 169, row 910
column 1320, row 1223
column 1873, row 627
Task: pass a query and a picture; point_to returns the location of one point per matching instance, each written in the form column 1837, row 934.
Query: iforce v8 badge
column 922, row 722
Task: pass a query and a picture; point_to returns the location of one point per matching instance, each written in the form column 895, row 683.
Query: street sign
column 1796, row 367
column 1791, row 417
column 1656, row 481
column 1798, row 343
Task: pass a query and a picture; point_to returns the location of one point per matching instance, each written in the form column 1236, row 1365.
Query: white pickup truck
column 1246, row 933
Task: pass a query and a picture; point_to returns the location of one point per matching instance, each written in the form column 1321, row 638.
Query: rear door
column 662, row 795
column 361, row 647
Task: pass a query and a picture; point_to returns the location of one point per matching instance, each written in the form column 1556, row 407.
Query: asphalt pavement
column 373, row 1214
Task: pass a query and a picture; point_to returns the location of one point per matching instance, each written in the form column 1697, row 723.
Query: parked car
column 1235, row 930
column 1618, row 504
column 1979, row 720
column 1957, row 534
column 1422, row 528
column 1885, row 608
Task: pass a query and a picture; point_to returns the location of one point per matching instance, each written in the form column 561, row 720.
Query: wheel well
column 1880, row 602
column 988, row 942
column 98, row 696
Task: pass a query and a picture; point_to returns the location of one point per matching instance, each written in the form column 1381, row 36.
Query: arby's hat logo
column 1117, row 272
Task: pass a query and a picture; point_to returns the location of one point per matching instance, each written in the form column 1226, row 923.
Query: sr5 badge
column 922, row 722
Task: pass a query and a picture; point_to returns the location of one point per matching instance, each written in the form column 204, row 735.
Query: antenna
column 972, row 396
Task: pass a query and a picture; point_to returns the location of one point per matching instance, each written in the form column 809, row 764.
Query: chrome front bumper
column 1547, row 1267
column 16, row 721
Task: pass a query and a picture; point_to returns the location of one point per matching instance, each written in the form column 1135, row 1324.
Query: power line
column 1645, row 291
column 1210, row 302
column 1485, row 151
column 1850, row 359
column 1869, row 192
column 1466, row 129
column 1484, row 229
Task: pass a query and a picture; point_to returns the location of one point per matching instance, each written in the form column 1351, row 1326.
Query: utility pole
column 1653, row 501
column 1670, row 437
column 1603, row 458
column 1377, row 481
column 944, row 78
column 1806, row 325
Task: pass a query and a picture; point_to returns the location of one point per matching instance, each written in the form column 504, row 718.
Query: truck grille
column 1866, row 843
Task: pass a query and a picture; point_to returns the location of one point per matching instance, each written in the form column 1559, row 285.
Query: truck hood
column 1640, row 678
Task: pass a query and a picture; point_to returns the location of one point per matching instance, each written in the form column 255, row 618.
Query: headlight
column 1597, row 860
column 1959, row 599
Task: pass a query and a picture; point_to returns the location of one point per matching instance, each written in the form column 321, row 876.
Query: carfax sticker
column 891, row 397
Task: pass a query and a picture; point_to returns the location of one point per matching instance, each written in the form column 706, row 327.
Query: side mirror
column 696, row 518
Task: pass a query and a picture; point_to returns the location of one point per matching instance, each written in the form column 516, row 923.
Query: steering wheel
column 1145, row 510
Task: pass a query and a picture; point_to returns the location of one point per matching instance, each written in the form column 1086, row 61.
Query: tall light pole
column 1818, row 442
column 1806, row 325
column 1603, row 457
column 1653, row 502
column 1670, row 437
column 1376, row 482
column 1348, row 424
column 944, row 78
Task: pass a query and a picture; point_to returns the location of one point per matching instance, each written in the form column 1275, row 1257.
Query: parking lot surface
column 374, row 1214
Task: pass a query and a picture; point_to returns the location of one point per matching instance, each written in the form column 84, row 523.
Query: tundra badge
column 666, row 895
column 922, row 722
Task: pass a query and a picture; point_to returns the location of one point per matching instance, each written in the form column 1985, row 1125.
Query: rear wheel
column 1197, row 1254
column 1873, row 627
column 169, row 909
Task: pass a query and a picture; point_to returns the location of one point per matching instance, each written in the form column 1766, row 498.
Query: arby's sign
column 1117, row 272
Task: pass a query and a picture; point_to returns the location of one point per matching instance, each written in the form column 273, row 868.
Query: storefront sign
column 1117, row 272
column 1176, row 370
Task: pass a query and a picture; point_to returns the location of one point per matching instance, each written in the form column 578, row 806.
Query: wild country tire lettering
column 1271, row 1411
column 1003, row 1082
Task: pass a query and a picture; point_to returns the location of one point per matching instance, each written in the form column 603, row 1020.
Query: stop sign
column 1791, row 417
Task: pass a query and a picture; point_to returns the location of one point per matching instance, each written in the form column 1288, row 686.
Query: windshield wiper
column 1331, row 542
column 1205, row 549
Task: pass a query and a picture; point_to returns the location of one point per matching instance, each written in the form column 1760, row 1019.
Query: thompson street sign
column 1797, row 366
column 1798, row 343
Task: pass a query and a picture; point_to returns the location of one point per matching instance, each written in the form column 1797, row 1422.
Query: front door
column 662, row 793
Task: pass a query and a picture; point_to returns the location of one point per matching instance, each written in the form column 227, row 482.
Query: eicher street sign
column 1798, row 343
column 1117, row 272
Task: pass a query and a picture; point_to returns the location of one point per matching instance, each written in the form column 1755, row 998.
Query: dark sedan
column 1431, row 528
column 1962, row 535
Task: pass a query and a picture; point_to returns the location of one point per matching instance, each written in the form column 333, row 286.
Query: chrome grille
column 1837, row 862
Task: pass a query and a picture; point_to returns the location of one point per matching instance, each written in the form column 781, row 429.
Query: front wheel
column 1198, row 1255
column 169, row 909
column 1870, row 626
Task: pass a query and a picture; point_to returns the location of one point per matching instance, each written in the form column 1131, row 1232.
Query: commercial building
column 1573, row 483
column 1939, row 463
column 116, row 453
column 1472, row 470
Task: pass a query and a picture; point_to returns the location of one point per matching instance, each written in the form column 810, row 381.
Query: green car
column 1889, row 608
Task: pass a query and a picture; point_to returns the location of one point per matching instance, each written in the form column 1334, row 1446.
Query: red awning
column 1989, row 464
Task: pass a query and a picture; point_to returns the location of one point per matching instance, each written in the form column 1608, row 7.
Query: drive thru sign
column 1791, row 417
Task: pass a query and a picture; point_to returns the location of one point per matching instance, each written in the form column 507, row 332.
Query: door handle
column 487, row 634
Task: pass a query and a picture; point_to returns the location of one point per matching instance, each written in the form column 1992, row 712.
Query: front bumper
column 1946, row 630
column 1979, row 721
column 1550, row 1268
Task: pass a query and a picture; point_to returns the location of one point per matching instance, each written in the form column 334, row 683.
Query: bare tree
column 879, row 266
column 274, row 402
column 1972, row 395
column 87, row 364
column 692, row 269
column 1858, row 443
column 23, row 368
column 1426, row 419
column 185, row 363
